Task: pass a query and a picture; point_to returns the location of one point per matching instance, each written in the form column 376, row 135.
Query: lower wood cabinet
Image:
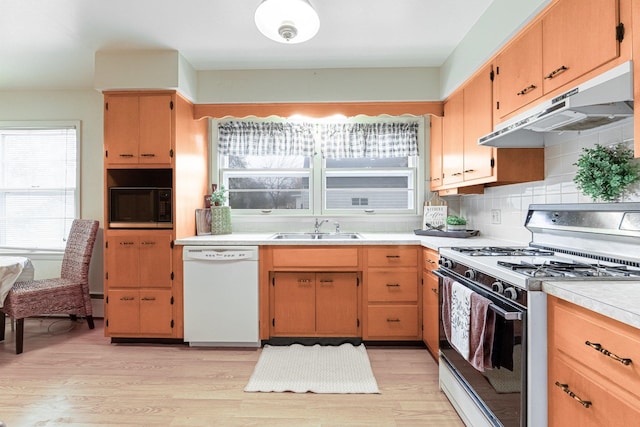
column 430, row 306
column 391, row 278
column 147, row 312
column 309, row 304
column 594, row 378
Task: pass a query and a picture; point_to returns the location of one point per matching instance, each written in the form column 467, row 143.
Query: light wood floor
column 69, row 375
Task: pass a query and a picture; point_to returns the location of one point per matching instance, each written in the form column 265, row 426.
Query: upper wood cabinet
column 452, row 139
column 138, row 129
column 578, row 36
column 518, row 79
column 435, row 166
column 477, row 121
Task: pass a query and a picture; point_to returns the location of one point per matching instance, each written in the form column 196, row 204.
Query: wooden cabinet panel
column 392, row 256
column 580, row 326
column 315, row 257
column 605, row 408
column 392, row 321
column 452, row 139
column 134, row 311
column 122, row 311
column 430, row 299
column 518, row 80
column 435, row 166
column 477, row 122
column 155, row 259
column 337, row 304
column 397, row 284
column 138, row 128
column 294, row 304
column 156, row 312
column 315, row 304
column 578, row 36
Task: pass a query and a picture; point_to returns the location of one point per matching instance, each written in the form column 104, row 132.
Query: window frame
column 75, row 125
column 317, row 177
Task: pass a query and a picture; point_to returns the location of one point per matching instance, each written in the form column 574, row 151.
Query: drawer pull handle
column 393, row 320
column 393, row 256
column 526, row 90
column 148, row 243
column 127, row 298
column 565, row 388
column 147, row 155
column 326, row 281
column 434, row 290
column 148, row 298
column 304, row 281
column 393, row 285
column 555, row 72
column 430, row 261
column 625, row 361
column 127, row 243
column 127, row 155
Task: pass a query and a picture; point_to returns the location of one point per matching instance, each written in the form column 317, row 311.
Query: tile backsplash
column 510, row 203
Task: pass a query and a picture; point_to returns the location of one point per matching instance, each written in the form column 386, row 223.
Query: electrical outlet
column 495, row 216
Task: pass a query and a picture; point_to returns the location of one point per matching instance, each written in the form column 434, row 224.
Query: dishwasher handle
column 220, row 254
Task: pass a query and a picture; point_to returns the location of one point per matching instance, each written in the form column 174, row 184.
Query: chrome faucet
column 337, row 224
column 318, row 224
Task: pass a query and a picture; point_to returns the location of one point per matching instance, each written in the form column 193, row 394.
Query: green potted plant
column 605, row 173
column 456, row 223
column 220, row 214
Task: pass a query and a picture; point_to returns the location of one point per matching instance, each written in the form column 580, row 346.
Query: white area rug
column 318, row 369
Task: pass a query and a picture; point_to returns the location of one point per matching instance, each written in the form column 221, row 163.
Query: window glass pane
column 268, row 162
column 358, row 190
column 38, row 186
column 276, row 190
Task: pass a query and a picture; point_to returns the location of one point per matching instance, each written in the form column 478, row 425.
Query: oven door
column 500, row 393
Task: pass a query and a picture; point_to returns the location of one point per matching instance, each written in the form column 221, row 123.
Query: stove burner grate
column 502, row 251
column 553, row 268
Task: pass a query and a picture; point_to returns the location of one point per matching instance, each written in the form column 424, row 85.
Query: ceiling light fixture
column 287, row 21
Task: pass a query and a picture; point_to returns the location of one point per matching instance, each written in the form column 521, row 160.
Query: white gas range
column 579, row 242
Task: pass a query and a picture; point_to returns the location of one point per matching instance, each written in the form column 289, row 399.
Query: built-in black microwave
column 140, row 207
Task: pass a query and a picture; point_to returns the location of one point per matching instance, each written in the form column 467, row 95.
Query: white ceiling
column 51, row 43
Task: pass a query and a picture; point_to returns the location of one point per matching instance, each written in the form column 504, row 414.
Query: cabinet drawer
column 315, row 257
column 606, row 408
column 574, row 326
column 397, row 321
column 392, row 256
column 390, row 285
column 430, row 259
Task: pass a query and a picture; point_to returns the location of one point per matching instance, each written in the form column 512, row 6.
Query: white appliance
column 602, row 100
column 221, row 296
column 577, row 242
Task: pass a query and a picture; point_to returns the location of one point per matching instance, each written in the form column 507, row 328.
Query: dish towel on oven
column 468, row 323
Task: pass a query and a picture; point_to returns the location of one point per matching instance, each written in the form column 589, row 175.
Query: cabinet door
column 478, row 121
column 122, row 260
column 155, row 129
column 578, row 36
column 435, row 167
column 337, row 304
column 122, row 312
column 452, row 139
column 430, row 313
column 294, row 304
column 121, row 129
column 155, row 312
column 518, row 78
column 155, row 259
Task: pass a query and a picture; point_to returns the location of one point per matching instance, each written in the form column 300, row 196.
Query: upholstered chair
column 68, row 294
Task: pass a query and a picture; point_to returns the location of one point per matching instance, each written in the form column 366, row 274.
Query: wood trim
column 318, row 109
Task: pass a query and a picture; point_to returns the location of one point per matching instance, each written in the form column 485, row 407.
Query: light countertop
column 247, row 239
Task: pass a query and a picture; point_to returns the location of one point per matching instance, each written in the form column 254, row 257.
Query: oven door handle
column 507, row 315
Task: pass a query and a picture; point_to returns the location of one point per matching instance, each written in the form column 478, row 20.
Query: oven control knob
column 511, row 293
column 447, row 263
column 470, row 274
column 497, row 287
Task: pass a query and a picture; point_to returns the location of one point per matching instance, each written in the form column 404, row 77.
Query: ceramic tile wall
column 561, row 152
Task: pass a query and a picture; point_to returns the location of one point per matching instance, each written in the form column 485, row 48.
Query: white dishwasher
column 221, row 296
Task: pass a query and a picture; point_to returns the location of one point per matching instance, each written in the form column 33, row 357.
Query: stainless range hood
column 604, row 99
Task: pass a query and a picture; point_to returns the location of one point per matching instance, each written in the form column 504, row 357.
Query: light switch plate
column 495, row 216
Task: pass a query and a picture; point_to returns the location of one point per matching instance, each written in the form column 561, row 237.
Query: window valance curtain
column 265, row 139
column 338, row 141
column 369, row 140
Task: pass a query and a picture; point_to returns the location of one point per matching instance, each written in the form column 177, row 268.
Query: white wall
column 561, row 152
column 86, row 106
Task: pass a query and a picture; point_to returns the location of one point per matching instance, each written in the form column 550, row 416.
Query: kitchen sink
column 316, row 236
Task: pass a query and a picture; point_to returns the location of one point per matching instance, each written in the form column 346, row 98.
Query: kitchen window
column 320, row 167
column 38, row 184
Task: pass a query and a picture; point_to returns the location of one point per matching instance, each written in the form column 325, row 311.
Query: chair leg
column 2, row 326
column 19, row 335
column 90, row 322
